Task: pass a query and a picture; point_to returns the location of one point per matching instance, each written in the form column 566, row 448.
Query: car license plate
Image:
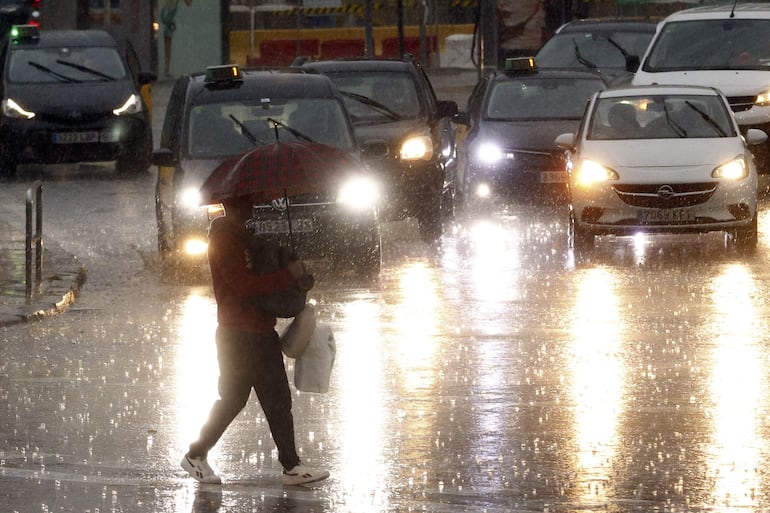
column 553, row 177
column 665, row 215
column 282, row 226
column 75, row 137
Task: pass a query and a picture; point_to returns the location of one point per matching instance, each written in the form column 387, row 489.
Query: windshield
column 660, row 117
column 223, row 129
column 539, row 98
column 711, row 44
column 38, row 65
column 368, row 92
column 565, row 50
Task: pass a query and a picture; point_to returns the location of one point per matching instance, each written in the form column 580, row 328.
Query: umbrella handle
column 288, row 220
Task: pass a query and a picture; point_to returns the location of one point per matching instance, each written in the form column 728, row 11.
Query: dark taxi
column 506, row 148
column 226, row 112
column 71, row 96
column 394, row 101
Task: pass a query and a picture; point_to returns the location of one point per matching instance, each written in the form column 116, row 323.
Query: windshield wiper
column 708, row 119
column 293, row 131
column 622, row 50
column 49, row 71
column 374, row 104
column 247, row 133
column 86, row 69
column 681, row 132
column 582, row 60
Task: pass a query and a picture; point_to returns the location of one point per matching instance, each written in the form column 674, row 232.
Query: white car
column 725, row 46
column 661, row 159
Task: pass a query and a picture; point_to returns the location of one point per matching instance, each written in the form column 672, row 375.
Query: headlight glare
column 736, row 169
column 359, row 193
column 11, row 109
column 190, row 198
column 763, row 99
column 418, row 147
column 195, row 247
column 489, row 153
column 132, row 105
column 591, row 172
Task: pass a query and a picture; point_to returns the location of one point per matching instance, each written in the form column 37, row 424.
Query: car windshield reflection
column 540, row 99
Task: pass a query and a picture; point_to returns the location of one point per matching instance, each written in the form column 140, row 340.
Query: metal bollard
column 34, row 239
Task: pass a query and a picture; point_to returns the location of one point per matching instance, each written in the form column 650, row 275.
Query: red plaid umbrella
column 278, row 169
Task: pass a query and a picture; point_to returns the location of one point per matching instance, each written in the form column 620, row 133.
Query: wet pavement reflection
column 493, row 372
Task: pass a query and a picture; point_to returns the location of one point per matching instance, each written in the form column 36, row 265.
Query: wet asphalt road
column 488, row 373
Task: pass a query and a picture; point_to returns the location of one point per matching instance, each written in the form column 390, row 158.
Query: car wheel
column 580, row 240
column 368, row 261
column 7, row 165
column 746, row 239
column 138, row 160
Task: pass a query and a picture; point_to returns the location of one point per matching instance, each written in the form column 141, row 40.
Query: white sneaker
column 199, row 469
column 302, row 474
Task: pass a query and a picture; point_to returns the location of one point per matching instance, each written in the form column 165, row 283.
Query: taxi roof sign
column 24, row 33
column 520, row 65
column 226, row 73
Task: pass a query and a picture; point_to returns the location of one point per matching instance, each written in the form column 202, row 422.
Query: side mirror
column 755, row 136
column 374, row 148
column 462, row 118
column 446, row 108
column 146, row 77
column 565, row 141
column 163, row 157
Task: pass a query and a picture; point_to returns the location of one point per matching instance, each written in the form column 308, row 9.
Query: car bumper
column 624, row 209
column 510, row 180
column 30, row 141
column 407, row 186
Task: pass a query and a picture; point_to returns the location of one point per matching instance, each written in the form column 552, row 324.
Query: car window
column 660, row 117
column 220, row 129
column 565, row 50
column 396, row 91
column 540, row 98
column 92, row 64
column 711, row 44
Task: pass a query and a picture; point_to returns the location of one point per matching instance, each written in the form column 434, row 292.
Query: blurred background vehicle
column 506, row 148
column 18, row 12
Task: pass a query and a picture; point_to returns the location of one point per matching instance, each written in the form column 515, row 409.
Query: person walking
column 248, row 348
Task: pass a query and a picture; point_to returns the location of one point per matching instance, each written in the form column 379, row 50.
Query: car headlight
column 11, row 109
column 133, row 105
column 195, row 247
column 763, row 99
column 190, row 198
column 419, row 147
column 490, row 153
column 591, row 172
column 736, row 169
column 359, row 193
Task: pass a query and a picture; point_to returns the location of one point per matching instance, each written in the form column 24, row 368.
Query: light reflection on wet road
column 491, row 373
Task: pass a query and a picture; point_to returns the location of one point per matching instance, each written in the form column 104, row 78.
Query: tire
column 138, row 160
column 7, row 165
column 367, row 255
column 580, row 240
column 746, row 238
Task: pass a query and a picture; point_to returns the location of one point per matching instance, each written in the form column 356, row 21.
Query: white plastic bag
column 313, row 369
column 296, row 336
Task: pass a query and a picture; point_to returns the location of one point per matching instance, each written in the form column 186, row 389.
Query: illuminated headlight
column 215, row 211
column 190, row 198
column 359, row 193
column 419, row 147
column 591, row 172
column 483, row 190
column 736, row 169
column 490, row 153
column 11, row 109
column 195, row 247
column 132, row 105
column 763, row 99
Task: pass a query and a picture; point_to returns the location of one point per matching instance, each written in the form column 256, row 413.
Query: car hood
column 390, row 132
column 730, row 82
column 90, row 97
column 651, row 154
column 525, row 135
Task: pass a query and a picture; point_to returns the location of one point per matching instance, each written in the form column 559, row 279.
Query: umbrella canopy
column 278, row 169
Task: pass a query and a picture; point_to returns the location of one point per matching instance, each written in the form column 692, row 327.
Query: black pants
column 246, row 361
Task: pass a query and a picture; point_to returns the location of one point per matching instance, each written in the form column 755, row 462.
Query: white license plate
column 553, row 177
column 83, row 137
column 282, row 226
column 666, row 215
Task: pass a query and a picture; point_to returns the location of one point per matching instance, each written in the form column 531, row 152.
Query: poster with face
column 520, row 24
column 189, row 35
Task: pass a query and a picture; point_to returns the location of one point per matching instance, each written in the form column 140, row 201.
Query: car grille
column 665, row 195
column 524, row 159
column 741, row 103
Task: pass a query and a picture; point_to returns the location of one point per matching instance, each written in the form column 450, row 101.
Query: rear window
column 600, row 49
column 379, row 96
column 79, row 64
column 711, row 45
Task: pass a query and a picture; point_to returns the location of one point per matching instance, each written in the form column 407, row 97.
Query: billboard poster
column 189, row 36
column 520, row 25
